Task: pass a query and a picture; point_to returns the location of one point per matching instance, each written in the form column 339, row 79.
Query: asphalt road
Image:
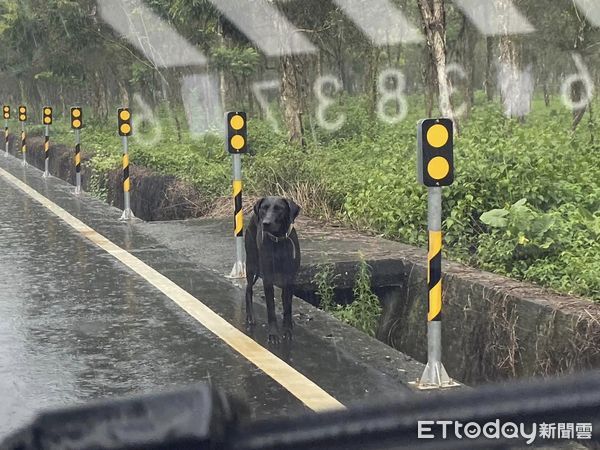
column 77, row 324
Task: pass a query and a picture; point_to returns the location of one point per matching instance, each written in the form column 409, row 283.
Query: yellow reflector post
column 237, row 142
column 124, row 115
column 125, row 128
column 237, row 122
column 76, row 123
column 437, row 136
column 47, row 111
column 438, row 168
column 76, row 113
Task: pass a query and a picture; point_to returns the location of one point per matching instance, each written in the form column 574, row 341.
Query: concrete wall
column 494, row 328
column 157, row 196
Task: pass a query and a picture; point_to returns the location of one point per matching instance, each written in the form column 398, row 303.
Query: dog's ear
column 257, row 206
column 294, row 210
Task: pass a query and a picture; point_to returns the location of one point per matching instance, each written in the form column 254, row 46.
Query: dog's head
column 276, row 214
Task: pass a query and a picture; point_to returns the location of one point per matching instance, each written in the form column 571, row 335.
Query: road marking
column 381, row 21
column 305, row 390
column 153, row 36
column 495, row 17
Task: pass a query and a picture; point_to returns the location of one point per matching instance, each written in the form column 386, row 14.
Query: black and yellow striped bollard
column 23, row 119
column 6, row 114
column 46, row 121
column 236, row 144
column 435, row 168
column 125, row 130
column 77, row 125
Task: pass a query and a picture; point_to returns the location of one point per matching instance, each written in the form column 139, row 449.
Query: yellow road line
column 297, row 384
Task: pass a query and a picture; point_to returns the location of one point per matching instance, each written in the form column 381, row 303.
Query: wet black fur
column 276, row 263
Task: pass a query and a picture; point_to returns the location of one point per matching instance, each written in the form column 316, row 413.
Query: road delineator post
column 125, row 130
column 236, row 144
column 46, row 121
column 6, row 115
column 23, row 119
column 435, row 168
column 76, row 125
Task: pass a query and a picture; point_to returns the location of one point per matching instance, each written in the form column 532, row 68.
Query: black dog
column 272, row 253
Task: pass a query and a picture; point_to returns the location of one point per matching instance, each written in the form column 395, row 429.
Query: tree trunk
column 292, row 97
column 489, row 81
column 515, row 85
column 434, row 21
column 222, row 78
column 428, row 84
column 371, row 80
column 468, row 61
column 577, row 88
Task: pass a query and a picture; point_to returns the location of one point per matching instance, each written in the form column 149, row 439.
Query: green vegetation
column 364, row 312
column 525, row 203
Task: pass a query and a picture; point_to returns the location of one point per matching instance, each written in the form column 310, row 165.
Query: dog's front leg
column 288, row 323
column 271, row 317
column 250, row 278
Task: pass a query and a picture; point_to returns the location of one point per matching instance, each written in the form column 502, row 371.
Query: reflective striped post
column 77, row 124
column 236, row 145
column 125, row 129
column 239, row 270
column 22, row 119
column 434, row 375
column 6, row 114
column 6, row 138
column 23, row 144
column 77, row 162
column 435, row 168
column 47, row 121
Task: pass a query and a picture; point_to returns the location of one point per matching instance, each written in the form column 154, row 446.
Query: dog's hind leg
column 288, row 323
column 250, row 280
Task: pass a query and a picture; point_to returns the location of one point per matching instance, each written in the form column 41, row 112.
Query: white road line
column 297, row 384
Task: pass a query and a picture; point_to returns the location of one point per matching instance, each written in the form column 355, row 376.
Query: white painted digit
column 582, row 76
column 387, row 95
column 258, row 89
column 458, row 69
column 325, row 102
column 142, row 114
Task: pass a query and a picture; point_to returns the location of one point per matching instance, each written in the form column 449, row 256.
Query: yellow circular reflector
column 125, row 128
column 76, row 113
column 124, row 115
column 438, row 168
column 47, row 111
column 22, row 110
column 22, row 117
column 6, row 109
column 76, row 123
column 237, row 142
column 236, row 122
column 46, row 119
column 437, row 135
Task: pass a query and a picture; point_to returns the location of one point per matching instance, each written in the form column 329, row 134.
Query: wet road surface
column 76, row 324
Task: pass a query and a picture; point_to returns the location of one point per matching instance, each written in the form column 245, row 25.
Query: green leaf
column 495, row 218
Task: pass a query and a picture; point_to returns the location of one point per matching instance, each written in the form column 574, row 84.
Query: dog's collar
column 278, row 239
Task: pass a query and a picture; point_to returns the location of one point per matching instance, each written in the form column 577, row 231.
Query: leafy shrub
column 364, row 174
